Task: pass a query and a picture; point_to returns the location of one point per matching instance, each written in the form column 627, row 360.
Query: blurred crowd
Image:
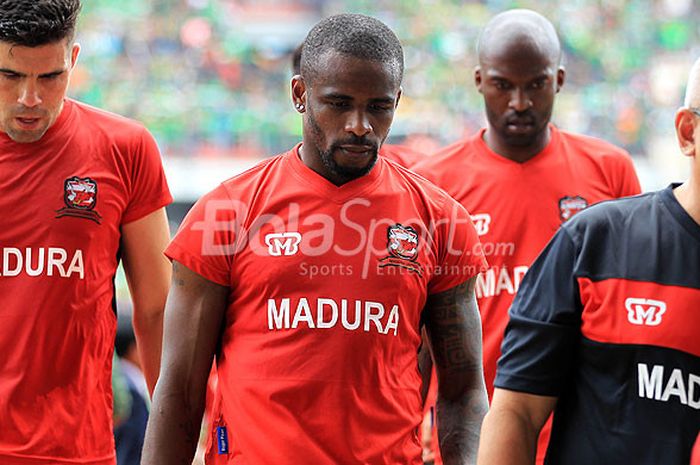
column 210, row 78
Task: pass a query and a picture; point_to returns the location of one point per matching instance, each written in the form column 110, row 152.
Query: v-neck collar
column 538, row 158
column 323, row 187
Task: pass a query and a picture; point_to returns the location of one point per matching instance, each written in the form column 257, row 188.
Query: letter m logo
column 286, row 243
column 644, row 311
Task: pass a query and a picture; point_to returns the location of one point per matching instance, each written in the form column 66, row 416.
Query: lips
column 27, row 122
column 357, row 150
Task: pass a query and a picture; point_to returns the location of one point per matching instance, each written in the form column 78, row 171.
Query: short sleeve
column 544, row 326
column 149, row 188
column 206, row 240
column 459, row 252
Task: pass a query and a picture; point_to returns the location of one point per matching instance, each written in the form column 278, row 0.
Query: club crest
column 402, row 245
column 569, row 206
column 80, row 199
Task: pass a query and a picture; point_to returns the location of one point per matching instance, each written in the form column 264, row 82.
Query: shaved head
column 518, row 29
column 692, row 92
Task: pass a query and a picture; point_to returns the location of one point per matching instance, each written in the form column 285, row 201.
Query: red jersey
column 517, row 208
column 63, row 201
column 402, row 155
column 327, row 283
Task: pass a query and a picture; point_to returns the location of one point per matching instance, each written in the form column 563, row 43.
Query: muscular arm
column 454, row 332
column 510, row 431
column 193, row 319
column 148, row 274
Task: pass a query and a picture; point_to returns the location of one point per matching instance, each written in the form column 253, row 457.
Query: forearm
column 173, row 429
column 148, row 329
column 507, row 439
column 459, row 424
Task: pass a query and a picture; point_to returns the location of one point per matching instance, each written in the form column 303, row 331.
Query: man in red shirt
column 80, row 189
column 521, row 177
column 310, row 275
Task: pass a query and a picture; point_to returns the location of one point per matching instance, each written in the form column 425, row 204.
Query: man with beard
column 604, row 332
column 520, row 176
column 309, row 277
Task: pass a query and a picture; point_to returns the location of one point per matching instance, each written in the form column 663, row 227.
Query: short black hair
column 296, row 60
column 356, row 35
column 31, row 23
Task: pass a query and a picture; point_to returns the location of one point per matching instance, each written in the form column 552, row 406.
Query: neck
column 518, row 154
column 688, row 195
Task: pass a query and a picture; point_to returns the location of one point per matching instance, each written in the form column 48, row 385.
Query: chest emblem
column 569, row 206
column 80, row 199
column 402, row 245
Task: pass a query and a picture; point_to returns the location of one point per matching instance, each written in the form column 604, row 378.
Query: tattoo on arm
column 454, row 331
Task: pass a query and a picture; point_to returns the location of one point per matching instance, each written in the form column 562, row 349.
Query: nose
column 29, row 94
column 358, row 123
column 520, row 100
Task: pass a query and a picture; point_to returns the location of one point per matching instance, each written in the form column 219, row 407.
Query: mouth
column 357, row 150
column 520, row 126
column 27, row 122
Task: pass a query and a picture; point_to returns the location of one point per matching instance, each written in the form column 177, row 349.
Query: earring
column 299, row 107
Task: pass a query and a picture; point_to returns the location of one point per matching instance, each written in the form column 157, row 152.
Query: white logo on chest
column 646, row 312
column 286, row 243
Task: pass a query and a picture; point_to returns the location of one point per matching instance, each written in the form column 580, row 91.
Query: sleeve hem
column 136, row 214
column 191, row 261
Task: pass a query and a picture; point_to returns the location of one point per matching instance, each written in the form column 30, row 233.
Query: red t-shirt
column 517, row 208
column 318, row 361
column 401, row 154
column 64, row 199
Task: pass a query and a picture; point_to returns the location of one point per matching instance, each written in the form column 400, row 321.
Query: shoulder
column 596, row 149
column 611, row 218
column 446, row 160
column 101, row 121
column 405, row 156
column 422, row 189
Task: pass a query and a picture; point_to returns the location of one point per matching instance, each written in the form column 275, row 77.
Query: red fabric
column 404, row 156
column 517, row 207
column 64, row 199
column 303, row 385
column 695, row 457
column 647, row 313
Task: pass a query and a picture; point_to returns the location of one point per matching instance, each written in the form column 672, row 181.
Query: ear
column 398, row 97
column 477, row 78
column 75, row 51
column 561, row 77
column 685, row 131
column 299, row 93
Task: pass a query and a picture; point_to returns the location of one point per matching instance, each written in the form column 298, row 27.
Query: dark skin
column 453, row 327
column 519, row 76
column 358, row 104
column 348, row 107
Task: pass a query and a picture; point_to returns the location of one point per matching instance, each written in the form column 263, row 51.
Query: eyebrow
column 338, row 96
column 17, row 73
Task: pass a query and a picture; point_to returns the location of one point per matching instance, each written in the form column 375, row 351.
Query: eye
column 501, row 85
column 50, row 77
column 338, row 103
column 539, row 84
column 381, row 107
column 8, row 75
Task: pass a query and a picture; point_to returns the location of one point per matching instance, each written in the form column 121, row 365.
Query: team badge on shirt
column 569, row 206
column 402, row 245
column 80, row 197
